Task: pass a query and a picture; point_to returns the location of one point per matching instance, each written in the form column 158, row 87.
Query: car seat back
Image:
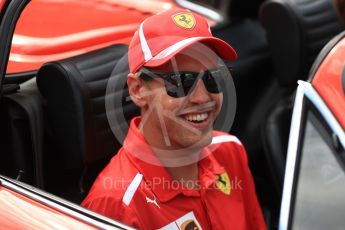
column 22, row 123
column 296, row 31
column 79, row 136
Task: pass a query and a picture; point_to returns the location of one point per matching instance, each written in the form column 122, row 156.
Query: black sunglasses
column 180, row 83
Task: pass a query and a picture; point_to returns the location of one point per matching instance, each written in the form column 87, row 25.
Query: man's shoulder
column 222, row 138
column 227, row 147
column 115, row 178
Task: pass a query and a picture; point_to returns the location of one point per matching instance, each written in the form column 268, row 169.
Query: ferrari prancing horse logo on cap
column 223, row 183
column 184, row 20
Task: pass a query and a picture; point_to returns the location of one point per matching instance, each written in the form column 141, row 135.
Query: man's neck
column 187, row 175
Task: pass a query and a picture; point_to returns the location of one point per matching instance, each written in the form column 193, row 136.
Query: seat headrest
column 75, row 93
column 296, row 31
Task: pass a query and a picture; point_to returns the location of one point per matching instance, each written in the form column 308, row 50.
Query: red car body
column 328, row 81
column 53, row 30
column 20, row 212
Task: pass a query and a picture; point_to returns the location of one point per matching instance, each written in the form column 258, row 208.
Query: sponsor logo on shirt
column 223, row 183
column 152, row 201
column 186, row 222
column 189, row 225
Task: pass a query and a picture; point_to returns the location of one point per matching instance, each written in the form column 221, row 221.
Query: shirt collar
column 156, row 176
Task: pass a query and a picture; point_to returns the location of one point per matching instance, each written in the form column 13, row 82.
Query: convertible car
column 64, row 112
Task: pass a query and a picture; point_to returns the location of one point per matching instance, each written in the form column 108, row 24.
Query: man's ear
column 136, row 90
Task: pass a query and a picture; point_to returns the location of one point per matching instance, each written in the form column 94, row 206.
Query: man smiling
column 174, row 171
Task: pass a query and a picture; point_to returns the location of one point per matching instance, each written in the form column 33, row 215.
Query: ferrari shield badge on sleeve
column 184, row 20
column 223, row 183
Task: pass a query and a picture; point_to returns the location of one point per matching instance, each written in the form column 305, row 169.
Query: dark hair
column 144, row 77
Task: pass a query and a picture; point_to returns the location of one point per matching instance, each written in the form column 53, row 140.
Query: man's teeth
column 197, row 117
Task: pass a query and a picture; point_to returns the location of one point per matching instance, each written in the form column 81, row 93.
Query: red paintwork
column 327, row 81
column 2, row 2
column 20, row 212
column 50, row 30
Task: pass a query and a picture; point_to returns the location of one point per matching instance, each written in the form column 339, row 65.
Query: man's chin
column 200, row 141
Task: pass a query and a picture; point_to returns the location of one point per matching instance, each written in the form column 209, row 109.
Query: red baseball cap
column 161, row 36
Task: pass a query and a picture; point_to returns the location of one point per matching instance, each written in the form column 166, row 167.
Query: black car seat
column 22, row 126
column 296, row 31
column 79, row 140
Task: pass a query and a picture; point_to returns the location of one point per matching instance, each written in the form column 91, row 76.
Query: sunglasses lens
column 214, row 80
column 179, row 84
column 211, row 84
column 188, row 81
column 172, row 85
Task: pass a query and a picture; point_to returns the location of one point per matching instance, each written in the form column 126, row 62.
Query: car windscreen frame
column 306, row 97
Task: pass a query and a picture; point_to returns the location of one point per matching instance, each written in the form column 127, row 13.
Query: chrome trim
column 307, row 90
column 201, row 10
column 59, row 207
column 291, row 158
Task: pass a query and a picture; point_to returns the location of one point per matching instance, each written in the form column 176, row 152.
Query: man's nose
column 199, row 95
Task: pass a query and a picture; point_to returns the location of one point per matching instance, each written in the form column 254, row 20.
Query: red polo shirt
column 144, row 195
